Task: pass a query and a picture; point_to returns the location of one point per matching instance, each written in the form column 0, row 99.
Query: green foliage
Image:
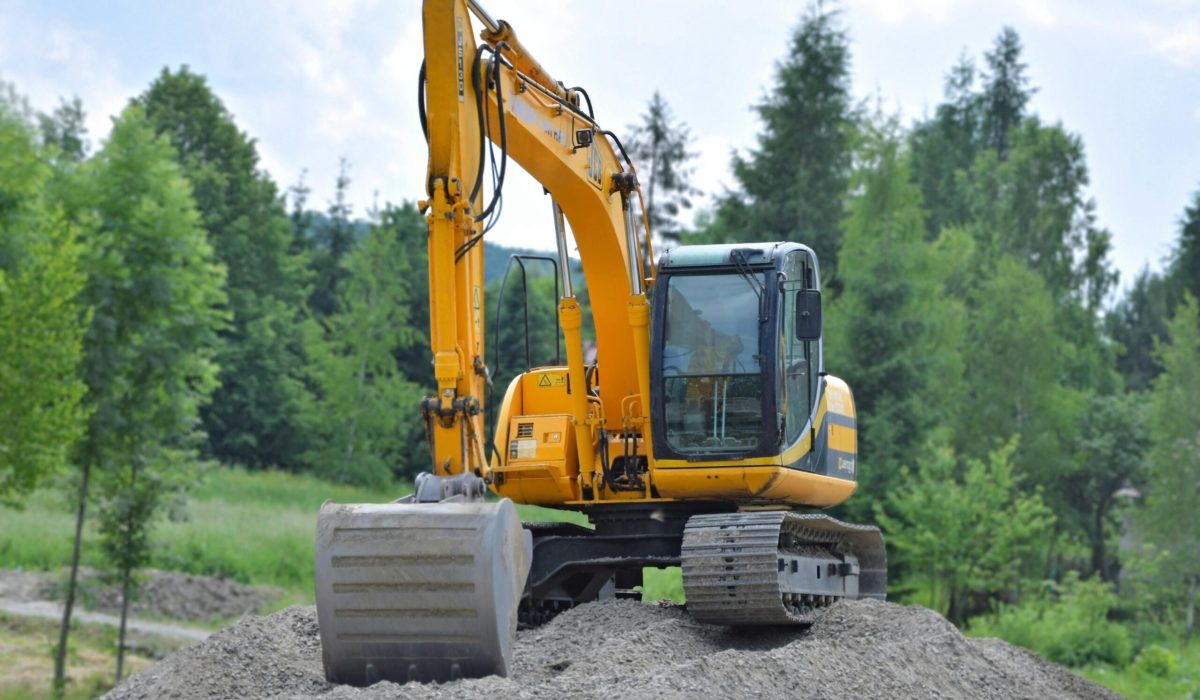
column 659, row 146
column 793, row 183
column 1068, row 625
column 155, row 294
column 255, row 417
column 1006, row 90
column 1156, row 661
column 1170, row 517
column 1016, row 360
column 331, row 243
column 1136, row 321
column 1110, row 454
column 1184, row 267
column 892, row 330
column 41, row 327
column 64, row 131
column 366, row 423
column 944, row 147
column 964, row 528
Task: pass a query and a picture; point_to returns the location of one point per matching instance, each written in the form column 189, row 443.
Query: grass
column 251, row 527
column 1137, row 683
column 27, row 664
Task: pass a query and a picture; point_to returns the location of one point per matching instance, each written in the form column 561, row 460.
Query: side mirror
column 808, row 314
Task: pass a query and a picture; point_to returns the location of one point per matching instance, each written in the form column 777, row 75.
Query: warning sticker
column 549, row 380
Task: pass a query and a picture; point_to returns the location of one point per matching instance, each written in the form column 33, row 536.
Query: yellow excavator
column 705, row 420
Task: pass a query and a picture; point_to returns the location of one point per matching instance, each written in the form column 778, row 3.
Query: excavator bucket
column 419, row 591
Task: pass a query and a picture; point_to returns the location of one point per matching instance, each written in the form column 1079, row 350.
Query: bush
column 1067, row 625
column 1155, row 661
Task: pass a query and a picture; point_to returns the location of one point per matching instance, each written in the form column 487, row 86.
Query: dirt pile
column 861, row 649
column 164, row 594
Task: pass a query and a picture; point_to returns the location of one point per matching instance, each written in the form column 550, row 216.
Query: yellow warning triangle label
column 544, row 381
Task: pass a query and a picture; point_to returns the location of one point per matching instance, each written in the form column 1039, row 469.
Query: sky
column 317, row 80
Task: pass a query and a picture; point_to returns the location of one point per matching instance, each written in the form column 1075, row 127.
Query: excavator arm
column 498, row 93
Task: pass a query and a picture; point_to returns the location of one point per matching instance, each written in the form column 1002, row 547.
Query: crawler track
column 776, row 568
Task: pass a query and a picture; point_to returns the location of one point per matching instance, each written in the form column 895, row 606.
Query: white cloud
column 897, row 11
column 1038, row 12
column 1180, row 43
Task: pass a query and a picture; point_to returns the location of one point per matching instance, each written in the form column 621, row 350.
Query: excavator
column 702, row 435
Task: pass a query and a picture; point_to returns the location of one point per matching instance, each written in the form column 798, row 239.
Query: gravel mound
column 860, row 649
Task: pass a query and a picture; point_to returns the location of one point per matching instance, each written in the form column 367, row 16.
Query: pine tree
column 255, row 418
column 65, row 130
column 793, row 183
column 1135, row 323
column 1006, row 91
column 945, row 146
column 333, row 240
column 1184, row 263
column 659, row 146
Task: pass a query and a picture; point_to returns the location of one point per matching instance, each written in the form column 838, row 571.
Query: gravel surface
column 861, row 649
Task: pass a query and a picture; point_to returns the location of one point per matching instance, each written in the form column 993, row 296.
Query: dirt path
column 623, row 649
column 174, row 598
column 53, row 611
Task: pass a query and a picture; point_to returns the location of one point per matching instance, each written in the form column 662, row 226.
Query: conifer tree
column 792, row 184
column 659, row 146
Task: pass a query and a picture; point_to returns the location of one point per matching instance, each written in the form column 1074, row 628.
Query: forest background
column 1030, row 435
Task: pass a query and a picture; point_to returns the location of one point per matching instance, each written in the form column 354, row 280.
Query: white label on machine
column 525, row 448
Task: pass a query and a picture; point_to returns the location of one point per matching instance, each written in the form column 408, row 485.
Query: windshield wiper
column 742, row 266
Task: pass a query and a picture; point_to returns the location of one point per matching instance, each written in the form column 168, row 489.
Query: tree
column 1184, row 263
column 1110, row 455
column 1135, row 323
column 793, row 183
column 367, row 420
column 659, row 146
column 1171, row 517
column 945, row 146
column 1033, row 206
column 1016, row 360
column 41, row 327
column 155, row 295
column 893, row 331
column 333, row 239
column 65, row 130
column 1006, row 91
column 255, row 417
column 964, row 529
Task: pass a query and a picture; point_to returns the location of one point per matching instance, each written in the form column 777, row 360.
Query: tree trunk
column 1191, row 611
column 1099, row 553
column 60, row 654
column 126, row 578
column 127, row 570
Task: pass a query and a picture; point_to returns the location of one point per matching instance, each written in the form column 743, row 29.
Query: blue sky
column 313, row 81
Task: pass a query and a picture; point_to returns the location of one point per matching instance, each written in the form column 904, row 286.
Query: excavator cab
column 736, row 350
